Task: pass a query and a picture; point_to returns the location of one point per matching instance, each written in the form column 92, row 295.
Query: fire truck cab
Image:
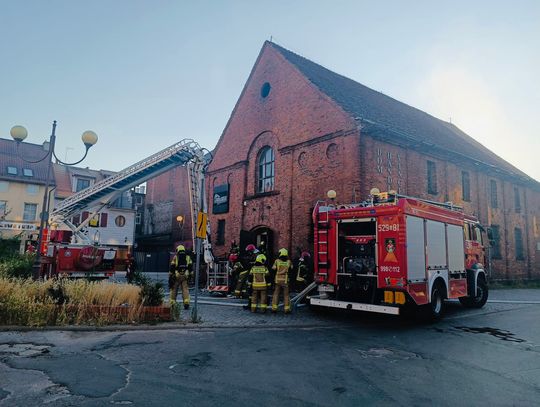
column 393, row 252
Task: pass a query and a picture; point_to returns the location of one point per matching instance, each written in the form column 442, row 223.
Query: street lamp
column 19, row 133
column 180, row 220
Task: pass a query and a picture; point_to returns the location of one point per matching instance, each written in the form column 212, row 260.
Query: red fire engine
column 71, row 252
column 393, row 252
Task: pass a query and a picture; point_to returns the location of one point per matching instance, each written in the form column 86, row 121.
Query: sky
column 146, row 74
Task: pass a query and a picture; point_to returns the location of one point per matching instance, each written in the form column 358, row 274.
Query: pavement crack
column 107, row 344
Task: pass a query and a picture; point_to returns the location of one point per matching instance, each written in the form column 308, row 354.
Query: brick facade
column 319, row 144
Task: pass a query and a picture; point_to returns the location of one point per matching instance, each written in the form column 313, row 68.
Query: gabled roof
column 64, row 175
column 10, row 156
column 383, row 116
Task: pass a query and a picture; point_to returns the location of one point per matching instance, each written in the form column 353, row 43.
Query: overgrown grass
column 62, row 302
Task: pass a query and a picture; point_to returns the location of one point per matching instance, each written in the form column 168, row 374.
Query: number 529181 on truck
column 392, row 253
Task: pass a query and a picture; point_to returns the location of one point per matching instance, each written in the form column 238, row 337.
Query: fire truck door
column 416, row 256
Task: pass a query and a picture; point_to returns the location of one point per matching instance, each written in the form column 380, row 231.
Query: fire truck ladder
column 185, row 152
column 321, row 221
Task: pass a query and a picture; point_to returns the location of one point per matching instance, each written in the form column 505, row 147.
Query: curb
column 130, row 328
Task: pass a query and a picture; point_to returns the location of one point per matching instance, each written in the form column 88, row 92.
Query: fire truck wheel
column 436, row 306
column 481, row 297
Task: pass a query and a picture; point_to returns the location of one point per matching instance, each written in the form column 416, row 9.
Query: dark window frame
column 496, row 242
column 517, row 200
column 466, row 186
column 220, row 235
column 432, row 177
column 518, row 240
column 266, row 170
column 81, row 180
column 493, row 194
column 11, row 170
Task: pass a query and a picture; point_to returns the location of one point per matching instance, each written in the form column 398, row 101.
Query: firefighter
column 281, row 267
column 258, row 280
column 131, row 266
column 242, row 271
column 232, row 267
column 179, row 270
column 303, row 272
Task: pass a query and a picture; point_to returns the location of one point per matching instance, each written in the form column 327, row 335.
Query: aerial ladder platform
column 183, row 153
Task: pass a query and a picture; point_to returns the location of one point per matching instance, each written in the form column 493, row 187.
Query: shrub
column 151, row 294
column 16, row 266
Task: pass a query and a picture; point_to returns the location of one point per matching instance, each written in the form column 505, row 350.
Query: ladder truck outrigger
column 83, row 257
column 395, row 253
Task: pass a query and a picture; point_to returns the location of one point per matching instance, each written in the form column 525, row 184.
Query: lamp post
column 180, row 220
column 19, row 133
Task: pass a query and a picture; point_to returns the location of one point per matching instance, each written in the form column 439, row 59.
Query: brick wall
column 315, row 150
column 167, row 196
column 319, row 147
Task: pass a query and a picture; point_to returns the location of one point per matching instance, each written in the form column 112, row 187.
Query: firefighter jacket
column 181, row 264
column 282, row 268
column 258, row 276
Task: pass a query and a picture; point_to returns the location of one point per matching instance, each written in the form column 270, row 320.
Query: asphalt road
column 473, row 357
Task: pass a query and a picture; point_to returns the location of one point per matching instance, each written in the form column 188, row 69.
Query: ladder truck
column 394, row 253
column 82, row 257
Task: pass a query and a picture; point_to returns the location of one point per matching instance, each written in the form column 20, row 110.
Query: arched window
column 265, row 163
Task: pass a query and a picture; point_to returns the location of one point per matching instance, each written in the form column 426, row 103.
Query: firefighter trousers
column 258, row 292
column 240, row 289
column 180, row 281
column 275, row 298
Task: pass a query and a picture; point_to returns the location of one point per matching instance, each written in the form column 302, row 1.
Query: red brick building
column 299, row 130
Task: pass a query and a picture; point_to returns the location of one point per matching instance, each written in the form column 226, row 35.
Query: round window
column 120, row 221
column 302, row 160
column 265, row 89
column 332, row 151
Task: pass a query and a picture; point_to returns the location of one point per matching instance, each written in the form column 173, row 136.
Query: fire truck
column 394, row 253
column 81, row 256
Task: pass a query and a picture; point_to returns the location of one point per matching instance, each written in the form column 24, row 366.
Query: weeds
column 60, row 302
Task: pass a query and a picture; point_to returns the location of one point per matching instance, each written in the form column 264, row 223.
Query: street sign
column 201, row 225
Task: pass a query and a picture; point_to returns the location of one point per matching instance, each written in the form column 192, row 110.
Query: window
column 431, row 178
column 220, row 241
column 519, row 244
column 265, row 89
column 493, row 193
column 120, row 221
column 3, row 208
column 82, row 183
column 266, row 170
column 32, row 189
column 138, row 217
column 30, row 210
column 12, row 170
column 466, row 186
column 27, row 172
column 517, row 202
column 495, row 242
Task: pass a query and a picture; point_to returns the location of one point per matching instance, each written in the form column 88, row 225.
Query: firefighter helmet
column 283, row 253
column 180, row 249
column 261, row 258
column 305, row 254
column 250, row 248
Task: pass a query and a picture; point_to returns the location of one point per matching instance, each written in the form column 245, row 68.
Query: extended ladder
column 321, row 238
column 184, row 152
